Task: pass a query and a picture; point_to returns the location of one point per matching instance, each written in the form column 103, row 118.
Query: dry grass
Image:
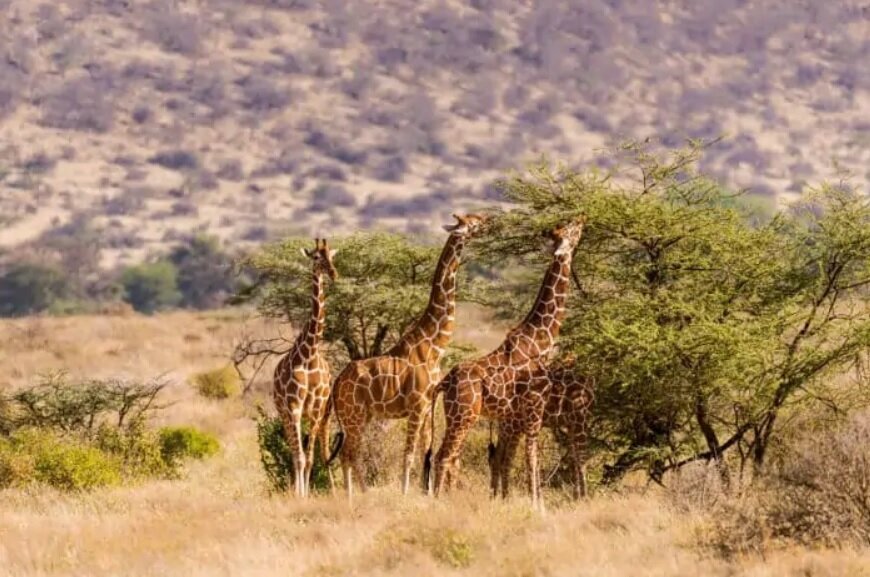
column 220, row 520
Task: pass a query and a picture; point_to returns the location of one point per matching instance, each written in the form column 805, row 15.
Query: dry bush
column 819, row 494
column 83, row 104
column 217, row 384
column 695, row 488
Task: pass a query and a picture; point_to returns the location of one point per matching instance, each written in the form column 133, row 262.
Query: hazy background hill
column 145, row 121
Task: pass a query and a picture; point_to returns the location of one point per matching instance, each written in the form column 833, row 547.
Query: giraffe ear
column 306, row 253
column 332, row 252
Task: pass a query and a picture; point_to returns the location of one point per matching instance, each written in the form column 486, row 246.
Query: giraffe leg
column 324, row 452
column 350, row 462
column 293, row 434
column 313, row 436
column 450, row 450
column 532, row 459
column 412, row 436
column 578, row 456
column 512, row 440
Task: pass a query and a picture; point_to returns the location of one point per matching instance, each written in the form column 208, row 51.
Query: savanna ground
column 220, row 519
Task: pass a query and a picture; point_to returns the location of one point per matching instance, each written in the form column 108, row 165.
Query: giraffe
column 509, row 383
column 567, row 409
column 301, row 379
column 400, row 383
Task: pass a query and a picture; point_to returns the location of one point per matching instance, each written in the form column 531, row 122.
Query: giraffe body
column 568, row 406
column 509, row 384
column 400, row 384
column 301, row 381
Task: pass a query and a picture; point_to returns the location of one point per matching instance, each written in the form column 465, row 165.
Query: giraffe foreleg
column 579, row 439
column 313, row 436
column 293, row 435
column 412, row 438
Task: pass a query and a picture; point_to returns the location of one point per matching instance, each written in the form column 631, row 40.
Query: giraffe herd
column 516, row 384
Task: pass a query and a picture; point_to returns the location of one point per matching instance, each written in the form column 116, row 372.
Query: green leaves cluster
column 702, row 320
column 383, row 285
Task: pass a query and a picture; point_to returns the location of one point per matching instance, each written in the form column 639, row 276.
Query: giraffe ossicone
column 301, row 382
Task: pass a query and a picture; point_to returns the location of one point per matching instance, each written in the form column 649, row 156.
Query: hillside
column 147, row 120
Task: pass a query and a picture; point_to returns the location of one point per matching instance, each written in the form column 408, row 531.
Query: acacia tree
column 700, row 325
column 383, row 284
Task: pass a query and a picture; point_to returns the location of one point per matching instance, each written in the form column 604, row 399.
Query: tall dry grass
column 220, row 519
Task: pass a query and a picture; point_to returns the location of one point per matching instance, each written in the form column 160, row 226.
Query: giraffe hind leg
column 449, row 452
column 324, row 452
column 512, row 440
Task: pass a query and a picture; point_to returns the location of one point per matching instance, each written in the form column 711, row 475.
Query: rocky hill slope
column 150, row 119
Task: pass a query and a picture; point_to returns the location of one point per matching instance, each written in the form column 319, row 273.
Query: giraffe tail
column 339, row 437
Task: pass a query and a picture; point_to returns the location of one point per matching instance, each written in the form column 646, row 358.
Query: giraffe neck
column 435, row 325
column 314, row 329
column 544, row 321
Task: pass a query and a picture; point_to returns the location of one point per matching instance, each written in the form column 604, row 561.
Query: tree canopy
column 701, row 322
column 383, row 285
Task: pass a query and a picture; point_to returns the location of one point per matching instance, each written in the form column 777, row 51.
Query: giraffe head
column 468, row 225
column 322, row 257
column 565, row 237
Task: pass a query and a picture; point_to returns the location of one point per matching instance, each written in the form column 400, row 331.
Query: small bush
column 175, row 160
column 205, row 275
column 82, row 104
column 137, row 448
column 28, row 288
column 32, row 455
column 151, row 287
column 179, row 443
column 218, row 384
column 277, row 460
column 15, row 468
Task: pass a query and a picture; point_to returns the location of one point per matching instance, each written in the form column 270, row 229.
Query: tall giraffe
column 568, row 406
column 301, row 380
column 508, row 384
column 400, row 383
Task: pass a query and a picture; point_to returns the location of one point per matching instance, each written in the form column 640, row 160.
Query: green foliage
column 178, row 443
column 276, row 458
column 204, row 272
column 456, row 353
column 700, row 321
column 28, row 288
column 217, row 384
column 16, row 468
column 78, row 435
column 384, row 281
column 77, row 407
column 138, row 449
column 31, row 455
column 151, row 287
